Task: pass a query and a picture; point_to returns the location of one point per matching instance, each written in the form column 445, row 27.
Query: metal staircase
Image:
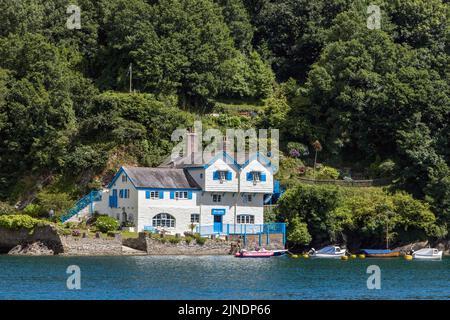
column 87, row 200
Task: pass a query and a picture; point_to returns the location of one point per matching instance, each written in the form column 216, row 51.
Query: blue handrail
column 88, row 199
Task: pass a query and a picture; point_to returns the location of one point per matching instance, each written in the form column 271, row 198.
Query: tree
column 314, row 206
column 297, row 232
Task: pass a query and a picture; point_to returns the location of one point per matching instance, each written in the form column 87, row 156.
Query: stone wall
column 46, row 240
column 77, row 246
column 158, row 247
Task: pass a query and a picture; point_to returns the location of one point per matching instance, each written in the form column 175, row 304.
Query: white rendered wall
column 260, row 187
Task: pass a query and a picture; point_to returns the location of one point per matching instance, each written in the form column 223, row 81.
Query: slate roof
column 197, row 160
column 166, row 178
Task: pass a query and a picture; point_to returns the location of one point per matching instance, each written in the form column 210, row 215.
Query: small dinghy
column 263, row 253
column 279, row 252
column 333, row 252
column 427, row 254
column 383, row 253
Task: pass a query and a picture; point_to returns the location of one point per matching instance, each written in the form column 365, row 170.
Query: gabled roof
column 159, row 178
column 230, row 158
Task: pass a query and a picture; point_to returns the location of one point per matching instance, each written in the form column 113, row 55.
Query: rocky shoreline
column 46, row 241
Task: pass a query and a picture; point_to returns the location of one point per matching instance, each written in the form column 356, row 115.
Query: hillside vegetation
column 375, row 99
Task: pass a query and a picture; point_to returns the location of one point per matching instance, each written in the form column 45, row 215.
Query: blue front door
column 217, row 224
column 113, row 199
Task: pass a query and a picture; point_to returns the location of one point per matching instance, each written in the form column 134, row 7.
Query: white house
column 219, row 197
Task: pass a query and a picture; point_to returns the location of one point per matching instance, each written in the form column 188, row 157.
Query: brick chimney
column 192, row 145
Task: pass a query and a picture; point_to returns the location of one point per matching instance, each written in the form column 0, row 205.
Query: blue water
column 220, row 277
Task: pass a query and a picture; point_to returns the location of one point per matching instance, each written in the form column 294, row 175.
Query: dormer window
column 256, row 176
column 222, row 175
column 124, row 178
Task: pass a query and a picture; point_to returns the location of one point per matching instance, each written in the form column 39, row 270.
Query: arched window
column 246, row 218
column 164, row 220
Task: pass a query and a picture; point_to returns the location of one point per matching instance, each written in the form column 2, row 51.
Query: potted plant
column 128, row 226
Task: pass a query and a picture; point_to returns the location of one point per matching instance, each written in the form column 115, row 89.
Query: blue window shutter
column 161, row 194
column 147, row 194
column 263, row 177
column 172, row 195
column 190, row 195
column 229, row 175
column 249, row 176
column 216, row 175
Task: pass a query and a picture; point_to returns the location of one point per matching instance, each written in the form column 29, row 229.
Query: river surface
column 220, row 277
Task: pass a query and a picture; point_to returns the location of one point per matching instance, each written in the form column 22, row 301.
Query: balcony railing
column 243, row 229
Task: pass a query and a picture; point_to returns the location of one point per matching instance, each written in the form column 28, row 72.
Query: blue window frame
column 222, row 175
column 256, row 176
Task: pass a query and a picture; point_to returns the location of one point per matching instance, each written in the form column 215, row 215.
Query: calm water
column 220, row 277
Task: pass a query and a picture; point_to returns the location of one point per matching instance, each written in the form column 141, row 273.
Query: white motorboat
column 333, row 252
column 427, row 254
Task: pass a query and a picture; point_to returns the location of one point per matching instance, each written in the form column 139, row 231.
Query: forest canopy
column 311, row 68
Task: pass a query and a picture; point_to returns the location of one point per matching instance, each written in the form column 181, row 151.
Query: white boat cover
column 426, row 252
column 327, row 250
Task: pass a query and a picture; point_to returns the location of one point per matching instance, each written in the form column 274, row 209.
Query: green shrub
column 6, row 208
column 200, row 240
column 59, row 202
column 112, row 234
column 32, row 210
column 188, row 240
column 174, row 240
column 106, row 223
column 19, row 221
column 325, row 173
column 70, row 225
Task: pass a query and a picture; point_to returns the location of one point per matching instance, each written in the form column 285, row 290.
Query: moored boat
column 333, row 252
column 427, row 254
column 380, row 253
column 255, row 254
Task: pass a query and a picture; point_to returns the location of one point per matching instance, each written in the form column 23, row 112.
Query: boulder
column 31, row 249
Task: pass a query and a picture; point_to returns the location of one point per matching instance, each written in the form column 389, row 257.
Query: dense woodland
column 375, row 99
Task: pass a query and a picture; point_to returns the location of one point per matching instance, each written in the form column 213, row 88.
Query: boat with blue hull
column 380, row 253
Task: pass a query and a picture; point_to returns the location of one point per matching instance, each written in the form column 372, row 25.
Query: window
column 201, row 175
column 124, row 193
column 222, row 175
column 124, row 178
column 181, row 195
column 163, row 220
column 195, row 218
column 249, row 198
column 217, row 198
column 256, row 176
column 246, row 218
column 154, row 195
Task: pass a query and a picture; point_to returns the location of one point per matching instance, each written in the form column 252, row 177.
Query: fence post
column 228, row 229
column 267, row 235
column 245, row 234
